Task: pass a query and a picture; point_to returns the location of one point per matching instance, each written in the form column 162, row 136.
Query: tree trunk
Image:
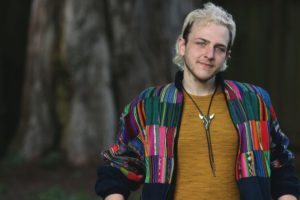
column 91, row 127
column 144, row 35
column 39, row 124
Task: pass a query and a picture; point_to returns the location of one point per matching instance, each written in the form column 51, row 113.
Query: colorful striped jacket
column 146, row 148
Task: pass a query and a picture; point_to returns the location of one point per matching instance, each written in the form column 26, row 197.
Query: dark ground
column 33, row 182
column 50, row 178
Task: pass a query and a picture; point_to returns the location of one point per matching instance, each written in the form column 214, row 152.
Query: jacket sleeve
column 123, row 168
column 283, row 175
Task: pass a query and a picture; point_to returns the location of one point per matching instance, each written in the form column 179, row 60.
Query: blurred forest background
column 68, row 67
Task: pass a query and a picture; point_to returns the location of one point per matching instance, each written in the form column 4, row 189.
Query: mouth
column 208, row 65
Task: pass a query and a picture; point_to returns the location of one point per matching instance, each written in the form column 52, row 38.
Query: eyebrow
column 207, row 41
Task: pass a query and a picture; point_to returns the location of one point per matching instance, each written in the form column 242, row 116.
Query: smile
column 206, row 64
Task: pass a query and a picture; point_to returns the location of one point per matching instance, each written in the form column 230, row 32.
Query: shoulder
column 163, row 93
column 166, row 93
column 240, row 90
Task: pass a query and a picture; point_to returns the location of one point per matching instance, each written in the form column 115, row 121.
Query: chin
column 200, row 74
column 204, row 77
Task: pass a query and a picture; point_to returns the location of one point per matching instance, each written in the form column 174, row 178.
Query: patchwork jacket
column 145, row 152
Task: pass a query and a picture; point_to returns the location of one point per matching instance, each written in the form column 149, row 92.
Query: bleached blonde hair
column 210, row 13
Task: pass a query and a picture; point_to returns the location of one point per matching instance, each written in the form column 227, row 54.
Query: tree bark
column 39, row 124
column 91, row 127
column 144, row 35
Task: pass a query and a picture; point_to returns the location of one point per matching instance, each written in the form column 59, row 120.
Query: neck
column 197, row 87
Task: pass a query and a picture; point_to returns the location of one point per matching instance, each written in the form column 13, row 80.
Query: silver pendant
column 206, row 119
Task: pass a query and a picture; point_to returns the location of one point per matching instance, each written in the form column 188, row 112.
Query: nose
column 209, row 52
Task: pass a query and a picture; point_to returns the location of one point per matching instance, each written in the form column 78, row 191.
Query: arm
column 284, row 182
column 123, row 169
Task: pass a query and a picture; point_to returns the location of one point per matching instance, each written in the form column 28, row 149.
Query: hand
column 287, row 197
column 114, row 197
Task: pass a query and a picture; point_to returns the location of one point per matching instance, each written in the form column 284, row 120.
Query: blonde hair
column 209, row 14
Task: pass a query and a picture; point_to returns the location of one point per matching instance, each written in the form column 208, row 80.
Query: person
column 201, row 137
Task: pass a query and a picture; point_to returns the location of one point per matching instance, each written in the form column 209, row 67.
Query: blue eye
column 220, row 49
column 202, row 44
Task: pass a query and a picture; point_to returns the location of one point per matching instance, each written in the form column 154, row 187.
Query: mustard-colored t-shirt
column 194, row 180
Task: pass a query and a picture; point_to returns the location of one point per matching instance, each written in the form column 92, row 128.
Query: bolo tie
column 206, row 120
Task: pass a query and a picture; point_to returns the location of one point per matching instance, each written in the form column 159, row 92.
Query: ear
column 181, row 46
column 228, row 55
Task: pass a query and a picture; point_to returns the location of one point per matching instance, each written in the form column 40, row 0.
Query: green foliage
column 57, row 193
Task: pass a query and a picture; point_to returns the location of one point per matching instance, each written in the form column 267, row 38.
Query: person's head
column 209, row 15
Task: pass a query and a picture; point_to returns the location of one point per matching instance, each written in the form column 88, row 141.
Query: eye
column 201, row 43
column 220, row 49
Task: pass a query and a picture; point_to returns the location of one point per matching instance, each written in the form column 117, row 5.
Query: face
column 205, row 51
